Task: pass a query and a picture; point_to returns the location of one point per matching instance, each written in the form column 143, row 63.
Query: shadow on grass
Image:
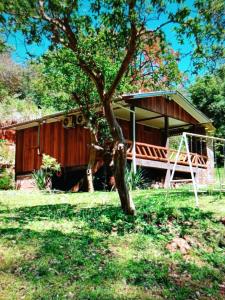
column 28, row 214
column 151, row 217
column 83, row 263
column 59, row 261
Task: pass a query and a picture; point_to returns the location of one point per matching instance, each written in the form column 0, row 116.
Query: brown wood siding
column 26, row 150
column 144, row 134
column 68, row 146
column 125, row 125
column 148, row 135
column 165, row 107
column 19, row 151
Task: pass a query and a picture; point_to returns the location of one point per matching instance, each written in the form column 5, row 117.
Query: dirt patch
column 178, row 244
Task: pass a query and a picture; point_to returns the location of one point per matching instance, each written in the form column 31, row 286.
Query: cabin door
column 30, row 153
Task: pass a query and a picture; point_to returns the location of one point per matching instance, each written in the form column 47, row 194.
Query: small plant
column 49, row 167
column 6, row 182
column 7, row 153
column 135, row 181
column 40, row 179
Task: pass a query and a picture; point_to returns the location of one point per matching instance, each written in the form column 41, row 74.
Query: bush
column 7, row 153
column 50, row 165
column 39, row 177
column 135, row 181
column 48, row 168
column 6, row 181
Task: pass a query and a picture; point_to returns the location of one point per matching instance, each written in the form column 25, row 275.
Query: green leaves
column 102, row 28
column 208, row 94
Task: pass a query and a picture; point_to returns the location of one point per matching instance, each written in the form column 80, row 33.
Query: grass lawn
column 81, row 246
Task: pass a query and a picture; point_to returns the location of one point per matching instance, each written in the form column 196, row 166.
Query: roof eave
column 41, row 120
column 201, row 117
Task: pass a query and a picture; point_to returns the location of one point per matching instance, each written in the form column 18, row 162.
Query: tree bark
column 90, row 180
column 120, row 158
column 92, row 157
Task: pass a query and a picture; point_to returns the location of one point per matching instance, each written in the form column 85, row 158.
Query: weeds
column 134, row 180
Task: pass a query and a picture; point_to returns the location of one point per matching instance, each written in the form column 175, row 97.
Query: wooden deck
column 163, row 158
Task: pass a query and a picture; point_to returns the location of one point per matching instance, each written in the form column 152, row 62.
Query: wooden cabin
column 156, row 116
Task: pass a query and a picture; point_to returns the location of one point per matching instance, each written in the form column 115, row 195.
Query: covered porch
column 147, row 155
column 148, row 120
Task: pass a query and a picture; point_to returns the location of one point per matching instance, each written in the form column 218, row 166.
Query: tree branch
column 71, row 7
column 66, row 28
column 164, row 24
column 128, row 57
column 46, row 17
column 83, row 65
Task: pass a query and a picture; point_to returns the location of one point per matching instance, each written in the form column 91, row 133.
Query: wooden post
column 166, row 139
column 166, row 129
column 191, row 169
column 132, row 133
column 133, row 136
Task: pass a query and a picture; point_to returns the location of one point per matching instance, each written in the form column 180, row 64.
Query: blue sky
column 21, row 50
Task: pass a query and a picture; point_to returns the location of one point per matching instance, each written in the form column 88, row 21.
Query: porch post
column 133, row 137
column 166, row 135
column 210, row 171
column 166, row 128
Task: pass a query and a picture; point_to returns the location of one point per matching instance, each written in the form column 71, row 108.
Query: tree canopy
column 208, row 94
column 18, row 91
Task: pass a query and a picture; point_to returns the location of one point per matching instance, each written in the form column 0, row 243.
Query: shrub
column 50, row 165
column 48, row 168
column 134, row 180
column 7, row 153
column 39, row 177
column 6, row 181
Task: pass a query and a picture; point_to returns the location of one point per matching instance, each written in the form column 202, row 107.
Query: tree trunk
column 92, row 157
column 120, row 158
column 90, row 180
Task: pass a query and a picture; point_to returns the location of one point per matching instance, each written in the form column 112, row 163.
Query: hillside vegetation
column 81, row 246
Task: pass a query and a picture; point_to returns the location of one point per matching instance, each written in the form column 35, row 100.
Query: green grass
column 81, row 246
column 220, row 175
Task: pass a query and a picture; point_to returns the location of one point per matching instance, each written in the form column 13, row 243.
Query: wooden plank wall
column 68, row 146
column 165, row 107
column 149, row 135
column 26, row 150
column 125, row 125
column 144, row 134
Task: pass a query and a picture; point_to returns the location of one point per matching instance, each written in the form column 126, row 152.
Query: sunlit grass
column 81, row 246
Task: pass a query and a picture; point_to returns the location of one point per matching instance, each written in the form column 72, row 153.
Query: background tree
column 11, row 76
column 208, row 94
column 119, row 27
column 18, row 92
